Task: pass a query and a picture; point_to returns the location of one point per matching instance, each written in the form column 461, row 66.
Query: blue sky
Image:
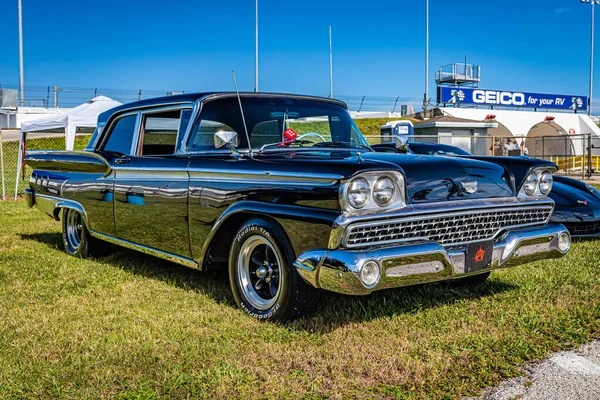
column 192, row 45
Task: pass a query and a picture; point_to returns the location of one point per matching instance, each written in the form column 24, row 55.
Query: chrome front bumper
column 339, row 270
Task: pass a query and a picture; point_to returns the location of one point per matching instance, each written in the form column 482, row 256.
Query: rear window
column 121, row 136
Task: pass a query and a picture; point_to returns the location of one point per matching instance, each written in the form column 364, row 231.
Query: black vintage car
column 577, row 204
column 284, row 192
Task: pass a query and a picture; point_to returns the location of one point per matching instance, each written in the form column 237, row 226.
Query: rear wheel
column 77, row 239
column 263, row 280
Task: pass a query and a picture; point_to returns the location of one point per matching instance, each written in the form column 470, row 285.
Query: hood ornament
column 469, row 187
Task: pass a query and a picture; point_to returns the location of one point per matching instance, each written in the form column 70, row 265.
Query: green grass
column 372, row 126
column 132, row 327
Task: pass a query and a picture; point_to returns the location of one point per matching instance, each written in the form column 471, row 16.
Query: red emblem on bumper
column 479, row 255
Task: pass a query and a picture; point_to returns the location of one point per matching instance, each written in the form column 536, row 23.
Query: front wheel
column 263, row 279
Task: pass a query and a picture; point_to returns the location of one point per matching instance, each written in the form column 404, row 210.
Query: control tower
column 458, row 75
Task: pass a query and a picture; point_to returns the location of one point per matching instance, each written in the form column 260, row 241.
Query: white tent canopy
column 83, row 116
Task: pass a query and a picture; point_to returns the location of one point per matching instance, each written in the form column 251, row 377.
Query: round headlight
column 546, row 183
column 531, row 184
column 564, row 242
column 358, row 193
column 370, row 274
column 383, row 192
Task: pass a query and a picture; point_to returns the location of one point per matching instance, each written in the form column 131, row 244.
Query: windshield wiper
column 319, row 146
column 283, row 144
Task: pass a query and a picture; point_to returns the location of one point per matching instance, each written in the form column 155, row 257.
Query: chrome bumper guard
column 340, row 270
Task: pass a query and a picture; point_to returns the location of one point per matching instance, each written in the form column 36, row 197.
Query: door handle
column 121, row 161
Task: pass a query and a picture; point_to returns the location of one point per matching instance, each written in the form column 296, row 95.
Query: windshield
column 276, row 123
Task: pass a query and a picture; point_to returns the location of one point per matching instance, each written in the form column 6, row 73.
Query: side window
column 203, row 137
column 160, row 131
column 121, row 136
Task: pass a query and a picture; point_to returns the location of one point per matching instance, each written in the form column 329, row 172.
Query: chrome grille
column 446, row 229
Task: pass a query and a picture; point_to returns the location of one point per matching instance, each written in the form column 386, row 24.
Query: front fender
column 306, row 227
column 519, row 167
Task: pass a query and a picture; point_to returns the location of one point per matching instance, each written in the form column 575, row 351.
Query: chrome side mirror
column 226, row 138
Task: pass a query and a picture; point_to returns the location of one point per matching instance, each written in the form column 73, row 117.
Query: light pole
column 330, row 65
column 256, row 53
column 426, row 96
column 21, row 73
column 591, row 54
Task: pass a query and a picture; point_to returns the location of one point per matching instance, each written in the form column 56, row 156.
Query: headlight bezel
column 397, row 201
column 536, row 175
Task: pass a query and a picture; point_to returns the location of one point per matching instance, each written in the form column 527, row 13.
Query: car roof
column 192, row 97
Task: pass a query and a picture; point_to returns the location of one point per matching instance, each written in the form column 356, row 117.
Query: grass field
column 132, row 327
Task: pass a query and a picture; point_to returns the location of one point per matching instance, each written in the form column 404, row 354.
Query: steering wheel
column 311, row 134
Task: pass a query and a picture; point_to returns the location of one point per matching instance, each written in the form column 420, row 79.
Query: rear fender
column 53, row 205
column 68, row 161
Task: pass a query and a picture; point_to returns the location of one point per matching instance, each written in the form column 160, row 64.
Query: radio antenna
column 242, row 111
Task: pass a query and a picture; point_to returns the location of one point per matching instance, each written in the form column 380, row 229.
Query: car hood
column 440, row 178
column 428, row 178
column 574, row 202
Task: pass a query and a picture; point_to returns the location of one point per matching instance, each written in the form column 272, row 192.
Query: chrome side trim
column 251, row 176
column 147, row 250
column 150, row 174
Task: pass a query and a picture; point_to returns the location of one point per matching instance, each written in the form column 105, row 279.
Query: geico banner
column 450, row 95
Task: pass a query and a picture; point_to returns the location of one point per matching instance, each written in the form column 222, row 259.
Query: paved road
column 565, row 376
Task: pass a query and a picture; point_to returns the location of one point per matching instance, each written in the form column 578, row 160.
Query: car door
column 97, row 196
column 151, row 184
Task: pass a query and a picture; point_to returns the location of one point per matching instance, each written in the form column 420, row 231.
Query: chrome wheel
column 258, row 272
column 74, row 231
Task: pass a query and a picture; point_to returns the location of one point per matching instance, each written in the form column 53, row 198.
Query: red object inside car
column 289, row 135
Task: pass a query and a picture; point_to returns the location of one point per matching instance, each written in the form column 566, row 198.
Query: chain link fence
column 10, row 186
column 63, row 96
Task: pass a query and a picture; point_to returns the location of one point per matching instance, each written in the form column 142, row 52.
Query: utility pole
column 591, row 55
column 21, row 73
column 56, row 90
column 426, row 97
column 256, row 53
column 591, row 63
column 330, row 65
